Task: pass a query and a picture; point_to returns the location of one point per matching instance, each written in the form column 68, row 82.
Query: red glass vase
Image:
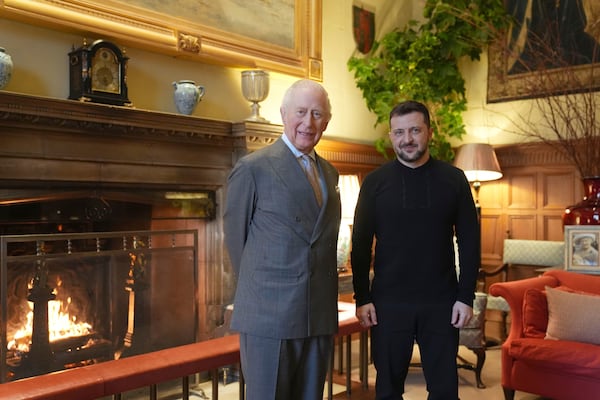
column 587, row 211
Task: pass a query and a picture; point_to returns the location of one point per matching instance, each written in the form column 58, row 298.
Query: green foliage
column 420, row 62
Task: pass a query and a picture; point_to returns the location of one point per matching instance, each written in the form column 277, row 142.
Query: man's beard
column 410, row 158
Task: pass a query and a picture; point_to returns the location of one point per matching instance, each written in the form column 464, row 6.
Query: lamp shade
column 479, row 162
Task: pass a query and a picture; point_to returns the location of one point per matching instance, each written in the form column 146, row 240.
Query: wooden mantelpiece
column 70, row 143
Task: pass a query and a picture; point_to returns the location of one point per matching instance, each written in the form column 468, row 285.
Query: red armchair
column 558, row 369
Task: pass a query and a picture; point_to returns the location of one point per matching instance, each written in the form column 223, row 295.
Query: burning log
column 94, row 351
column 71, row 343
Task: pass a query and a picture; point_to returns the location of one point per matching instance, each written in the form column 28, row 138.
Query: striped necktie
column 310, row 169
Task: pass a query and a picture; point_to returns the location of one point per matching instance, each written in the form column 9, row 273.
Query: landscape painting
column 264, row 20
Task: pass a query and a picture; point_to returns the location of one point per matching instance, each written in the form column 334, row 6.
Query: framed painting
column 550, row 48
column 581, row 248
column 281, row 36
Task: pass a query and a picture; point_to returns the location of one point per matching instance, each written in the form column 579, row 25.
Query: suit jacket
column 282, row 246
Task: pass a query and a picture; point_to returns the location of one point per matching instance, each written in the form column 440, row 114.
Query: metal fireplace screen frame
column 149, row 266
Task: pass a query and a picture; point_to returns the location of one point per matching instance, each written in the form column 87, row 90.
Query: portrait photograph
column 581, row 248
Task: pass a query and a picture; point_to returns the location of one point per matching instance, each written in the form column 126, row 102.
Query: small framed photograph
column 581, row 248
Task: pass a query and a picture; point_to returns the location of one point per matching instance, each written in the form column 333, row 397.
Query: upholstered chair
column 517, row 252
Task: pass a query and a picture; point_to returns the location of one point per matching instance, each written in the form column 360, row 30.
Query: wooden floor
column 357, row 392
column 415, row 382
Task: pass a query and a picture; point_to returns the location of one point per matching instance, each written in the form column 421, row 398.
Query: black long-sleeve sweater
column 413, row 215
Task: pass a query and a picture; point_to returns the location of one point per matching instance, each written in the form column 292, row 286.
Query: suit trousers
column 392, row 341
column 285, row 369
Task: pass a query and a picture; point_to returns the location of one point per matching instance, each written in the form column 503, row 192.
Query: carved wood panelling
column 529, row 200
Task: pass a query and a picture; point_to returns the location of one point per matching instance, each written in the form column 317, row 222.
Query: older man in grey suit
column 281, row 234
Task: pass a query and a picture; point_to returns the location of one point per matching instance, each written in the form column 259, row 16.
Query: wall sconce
column 480, row 164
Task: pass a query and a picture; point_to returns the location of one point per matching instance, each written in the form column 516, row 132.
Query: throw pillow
column 535, row 313
column 573, row 316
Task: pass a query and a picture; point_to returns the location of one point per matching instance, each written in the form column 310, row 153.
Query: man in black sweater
column 413, row 207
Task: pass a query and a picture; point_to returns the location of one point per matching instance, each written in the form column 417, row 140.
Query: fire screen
column 69, row 300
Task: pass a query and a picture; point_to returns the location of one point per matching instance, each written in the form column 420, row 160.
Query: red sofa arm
column 513, row 292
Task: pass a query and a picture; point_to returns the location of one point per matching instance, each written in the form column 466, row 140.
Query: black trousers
column 392, row 340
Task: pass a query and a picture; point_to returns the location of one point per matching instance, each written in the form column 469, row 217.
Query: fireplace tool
column 136, row 284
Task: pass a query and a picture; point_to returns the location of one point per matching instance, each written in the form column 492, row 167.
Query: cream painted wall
column 41, row 68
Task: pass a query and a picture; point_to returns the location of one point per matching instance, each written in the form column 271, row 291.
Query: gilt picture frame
column 556, row 39
column 581, row 248
column 290, row 42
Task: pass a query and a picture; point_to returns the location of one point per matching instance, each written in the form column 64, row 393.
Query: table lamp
column 479, row 162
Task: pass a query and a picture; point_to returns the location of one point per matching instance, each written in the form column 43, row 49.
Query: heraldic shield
column 363, row 26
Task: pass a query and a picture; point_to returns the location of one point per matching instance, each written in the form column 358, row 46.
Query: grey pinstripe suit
column 282, row 246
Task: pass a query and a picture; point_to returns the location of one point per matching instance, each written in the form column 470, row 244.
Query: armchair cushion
column 569, row 316
column 535, row 313
column 566, row 356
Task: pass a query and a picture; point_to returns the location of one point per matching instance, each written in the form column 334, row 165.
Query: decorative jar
column 187, row 96
column 587, row 211
column 6, row 67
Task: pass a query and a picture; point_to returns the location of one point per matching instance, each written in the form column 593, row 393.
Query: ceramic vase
column 187, row 96
column 6, row 66
column 587, row 211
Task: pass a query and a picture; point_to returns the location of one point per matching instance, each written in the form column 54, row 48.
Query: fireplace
column 92, row 278
column 110, row 222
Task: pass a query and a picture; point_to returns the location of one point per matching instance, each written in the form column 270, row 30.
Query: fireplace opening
column 86, row 279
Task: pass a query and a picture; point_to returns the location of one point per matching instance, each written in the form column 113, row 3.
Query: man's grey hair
column 303, row 84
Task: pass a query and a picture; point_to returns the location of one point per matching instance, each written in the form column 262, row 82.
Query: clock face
column 105, row 72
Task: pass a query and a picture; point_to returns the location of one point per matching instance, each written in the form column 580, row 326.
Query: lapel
column 330, row 196
column 291, row 175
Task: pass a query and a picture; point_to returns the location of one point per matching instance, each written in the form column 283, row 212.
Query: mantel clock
column 98, row 74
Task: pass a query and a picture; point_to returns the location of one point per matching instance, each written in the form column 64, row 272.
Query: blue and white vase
column 187, row 96
column 6, row 67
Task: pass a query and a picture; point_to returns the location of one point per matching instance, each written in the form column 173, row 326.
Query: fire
column 61, row 325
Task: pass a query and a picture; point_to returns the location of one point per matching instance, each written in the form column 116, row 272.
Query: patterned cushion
column 472, row 334
column 545, row 253
column 497, row 303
